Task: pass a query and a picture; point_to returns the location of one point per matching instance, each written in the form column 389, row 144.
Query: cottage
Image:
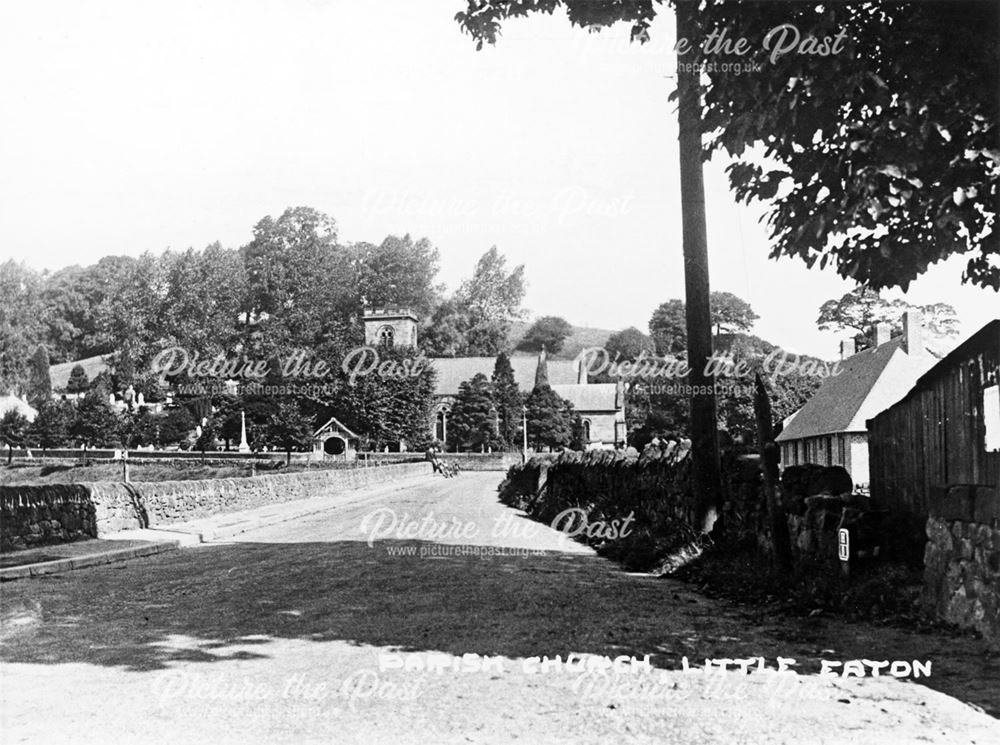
column 830, row 429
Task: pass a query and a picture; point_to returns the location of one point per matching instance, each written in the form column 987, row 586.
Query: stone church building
column 601, row 406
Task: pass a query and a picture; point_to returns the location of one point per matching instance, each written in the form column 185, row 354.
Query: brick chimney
column 912, row 341
column 847, row 348
column 883, row 332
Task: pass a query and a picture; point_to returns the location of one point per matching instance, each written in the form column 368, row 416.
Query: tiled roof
column 871, row 379
column 593, row 397
column 335, row 425
column 452, row 371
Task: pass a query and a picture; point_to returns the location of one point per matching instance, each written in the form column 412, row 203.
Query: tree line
column 294, row 286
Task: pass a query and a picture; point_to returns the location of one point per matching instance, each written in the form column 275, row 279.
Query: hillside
column 581, row 338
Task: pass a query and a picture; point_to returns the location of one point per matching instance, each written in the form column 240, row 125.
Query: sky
column 127, row 127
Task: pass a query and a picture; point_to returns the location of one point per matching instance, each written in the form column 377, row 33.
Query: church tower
column 391, row 327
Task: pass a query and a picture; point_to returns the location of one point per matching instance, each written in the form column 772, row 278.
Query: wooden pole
column 769, row 464
column 706, row 466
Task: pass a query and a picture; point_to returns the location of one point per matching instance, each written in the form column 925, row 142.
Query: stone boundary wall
column 54, row 513
column 962, row 558
column 655, row 488
column 51, row 513
column 105, row 454
column 651, row 495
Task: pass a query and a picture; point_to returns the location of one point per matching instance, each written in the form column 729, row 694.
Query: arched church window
column 386, row 336
column 586, row 430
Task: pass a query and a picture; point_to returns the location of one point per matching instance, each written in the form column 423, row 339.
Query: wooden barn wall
column 936, row 436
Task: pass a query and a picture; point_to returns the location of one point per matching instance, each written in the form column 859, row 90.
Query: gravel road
column 421, row 615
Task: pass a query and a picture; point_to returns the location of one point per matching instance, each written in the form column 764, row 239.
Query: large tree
column 205, row 291
column 73, row 298
column 78, row 381
column 508, row 399
column 860, row 309
column 13, row 431
column 51, row 426
column 445, row 333
column 491, row 300
column 399, row 272
column 175, row 426
column 388, row 409
column 550, row 419
column 473, row 417
column 880, row 157
column 94, row 422
column 628, row 344
column 289, row 428
column 668, row 328
column 731, row 313
column 39, row 389
column 547, row 332
column 20, row 323
column 130, row 318
column 300, row 284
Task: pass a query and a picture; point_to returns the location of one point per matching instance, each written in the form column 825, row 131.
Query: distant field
column 54, row 473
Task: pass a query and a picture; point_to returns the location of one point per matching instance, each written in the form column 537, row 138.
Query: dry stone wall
column 36, row 515
column 962, row 558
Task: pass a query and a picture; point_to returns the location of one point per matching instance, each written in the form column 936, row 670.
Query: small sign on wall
column 991, row 415
column 843, row 544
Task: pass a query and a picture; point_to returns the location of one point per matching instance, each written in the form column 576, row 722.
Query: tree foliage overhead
column 884, row 158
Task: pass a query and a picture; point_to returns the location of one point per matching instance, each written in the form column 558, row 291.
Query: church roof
column 592, row 397
column 452, row 371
